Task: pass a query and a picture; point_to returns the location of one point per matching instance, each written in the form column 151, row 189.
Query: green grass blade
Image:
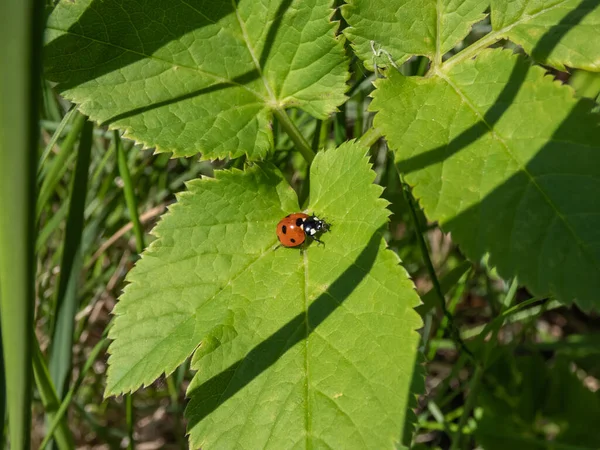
column 20, row 50
column 50, row 401
column 129, row 191
column 53, row 140
column 71, row 264
column 57, row 420
column 59, row 165
column 130, row 199
column 430, row 299
column 52, row 224
column 51, row 107
column 2, row 393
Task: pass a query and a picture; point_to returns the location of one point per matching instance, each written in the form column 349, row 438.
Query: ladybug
column 293, row 229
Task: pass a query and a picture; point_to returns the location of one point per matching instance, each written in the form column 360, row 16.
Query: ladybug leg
column 318, row 241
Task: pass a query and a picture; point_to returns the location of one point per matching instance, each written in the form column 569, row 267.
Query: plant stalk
column 371, row 136
column 21, row 28
column 430, row 269
column 129, row 191
column 293, row 132
column 131, row 202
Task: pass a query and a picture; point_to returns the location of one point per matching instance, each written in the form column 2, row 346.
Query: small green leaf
column 555, row 32
column 196, row 77
column 293, row 346
column 507, row 160
column 409, row 27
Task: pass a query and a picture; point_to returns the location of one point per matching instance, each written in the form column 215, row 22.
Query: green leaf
column 200, row 76
column 558, row 33
column 293, row 347
column 507, row 160
column 409, row 27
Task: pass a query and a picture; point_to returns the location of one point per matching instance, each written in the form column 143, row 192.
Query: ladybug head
column 314, row 225
column 321, row 224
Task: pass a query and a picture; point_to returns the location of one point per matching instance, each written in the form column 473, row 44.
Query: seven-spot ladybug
column 293, row 229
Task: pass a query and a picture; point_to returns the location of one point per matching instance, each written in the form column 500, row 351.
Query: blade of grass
column 129, row 191
column 50, row 401
column 50, row 125
column 64, row 406
column 339, row 126
column 70, row 269
column 447, row 282
column 51, row 226
column 360, row 111
column 21, row 28
column 53, row 140
column 51, row 107
column 2, row 393
column 317, row 135
column 131, row 202
column 59, row 163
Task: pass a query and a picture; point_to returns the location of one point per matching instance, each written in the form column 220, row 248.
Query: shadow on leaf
column 541, row 51
column 530, row 222
column 148, row 29
column 208, row 396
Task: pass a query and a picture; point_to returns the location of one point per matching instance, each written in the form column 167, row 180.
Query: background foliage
column 479, row 120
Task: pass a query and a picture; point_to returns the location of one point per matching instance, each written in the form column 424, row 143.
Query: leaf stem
column 131, row 202
column 472, row 50
column 293, row 132
column 454, row 333
column 371, row 136
column 129, row 192
column 130, row 420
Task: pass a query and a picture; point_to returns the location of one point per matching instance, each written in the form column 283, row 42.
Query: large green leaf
column 508, row 161
column 295, row 348
column 409, row 27
column 196, row 76
column 555, row 32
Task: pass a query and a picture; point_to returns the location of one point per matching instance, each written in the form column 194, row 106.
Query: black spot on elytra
column 293, row 240
column 299, row 222
column 283, row 229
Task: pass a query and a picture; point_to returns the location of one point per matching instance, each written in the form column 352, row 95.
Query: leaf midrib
column 523, row 168
column 168, row 336
column 306, row 356
column 252, row 53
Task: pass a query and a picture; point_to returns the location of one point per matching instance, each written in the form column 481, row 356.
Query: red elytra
column 290, row 231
